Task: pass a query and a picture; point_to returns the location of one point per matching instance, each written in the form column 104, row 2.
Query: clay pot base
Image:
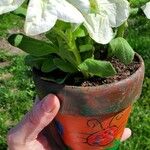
column 92, row 133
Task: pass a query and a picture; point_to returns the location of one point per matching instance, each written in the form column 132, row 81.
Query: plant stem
column 77, row 56
column 72, row 44
column 78, row 59
column 121, row 29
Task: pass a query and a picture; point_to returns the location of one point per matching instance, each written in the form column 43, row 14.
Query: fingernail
column 48, row 104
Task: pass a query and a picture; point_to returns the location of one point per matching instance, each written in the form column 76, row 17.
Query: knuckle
column 33, row 118
column 37, row 116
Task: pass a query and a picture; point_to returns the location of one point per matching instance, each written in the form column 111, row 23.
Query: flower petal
column 42, row 15
column 146, row 9
column 82, row 5
column 9, row 5
column 99, row 28
column 38, row 19
column 64, row 11
column 117, row 10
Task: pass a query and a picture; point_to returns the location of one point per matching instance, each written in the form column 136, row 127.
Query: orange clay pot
column 92, row 118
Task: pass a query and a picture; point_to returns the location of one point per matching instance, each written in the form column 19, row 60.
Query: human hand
column 27, row 135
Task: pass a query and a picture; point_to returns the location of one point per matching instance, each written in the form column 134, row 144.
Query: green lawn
column 17, row 89
column 8, row 22
column 16, row 94
column 137, row 3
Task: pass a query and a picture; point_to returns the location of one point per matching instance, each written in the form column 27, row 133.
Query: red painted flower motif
column 103, row 137
column 107, row 132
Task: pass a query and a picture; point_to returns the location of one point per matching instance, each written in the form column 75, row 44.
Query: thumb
column 36, row 120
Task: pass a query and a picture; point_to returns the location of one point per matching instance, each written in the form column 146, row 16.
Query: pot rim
column 110, row 84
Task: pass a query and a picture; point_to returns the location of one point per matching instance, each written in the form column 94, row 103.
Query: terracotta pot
column 92, row 118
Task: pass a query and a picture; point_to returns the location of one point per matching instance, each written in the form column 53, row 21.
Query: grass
column 16, row 94
column 17, row 89
column 138, row 3
column 138, row 36
column 139, row 122
column 8, row 22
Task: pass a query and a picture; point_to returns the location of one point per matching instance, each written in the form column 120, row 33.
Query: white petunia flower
column 99, row 28
column 116, row 10
column 9, row 5
column 43, row 14
column 98, row 16
column 101, row 15
column 82, row 5
column 146, row 9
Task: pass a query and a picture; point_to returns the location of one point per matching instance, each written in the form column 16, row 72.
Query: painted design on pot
column 106, row 135
column 97, row 132
column 59, row 127
column 102, row 138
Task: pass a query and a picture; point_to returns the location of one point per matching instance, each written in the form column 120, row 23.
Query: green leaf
column 64, row 65
column 48, row 65
column 97, row 67
column 61, row 25
column 70, row 40
column 121, row 49
column 58, row 80
column 84, row 48
column 64, row 51
column 21, row 11
column 52, row 37
column 86, row 55
column 79, row 32
column 34, row 61
column 32, row 46
column 65, row 46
